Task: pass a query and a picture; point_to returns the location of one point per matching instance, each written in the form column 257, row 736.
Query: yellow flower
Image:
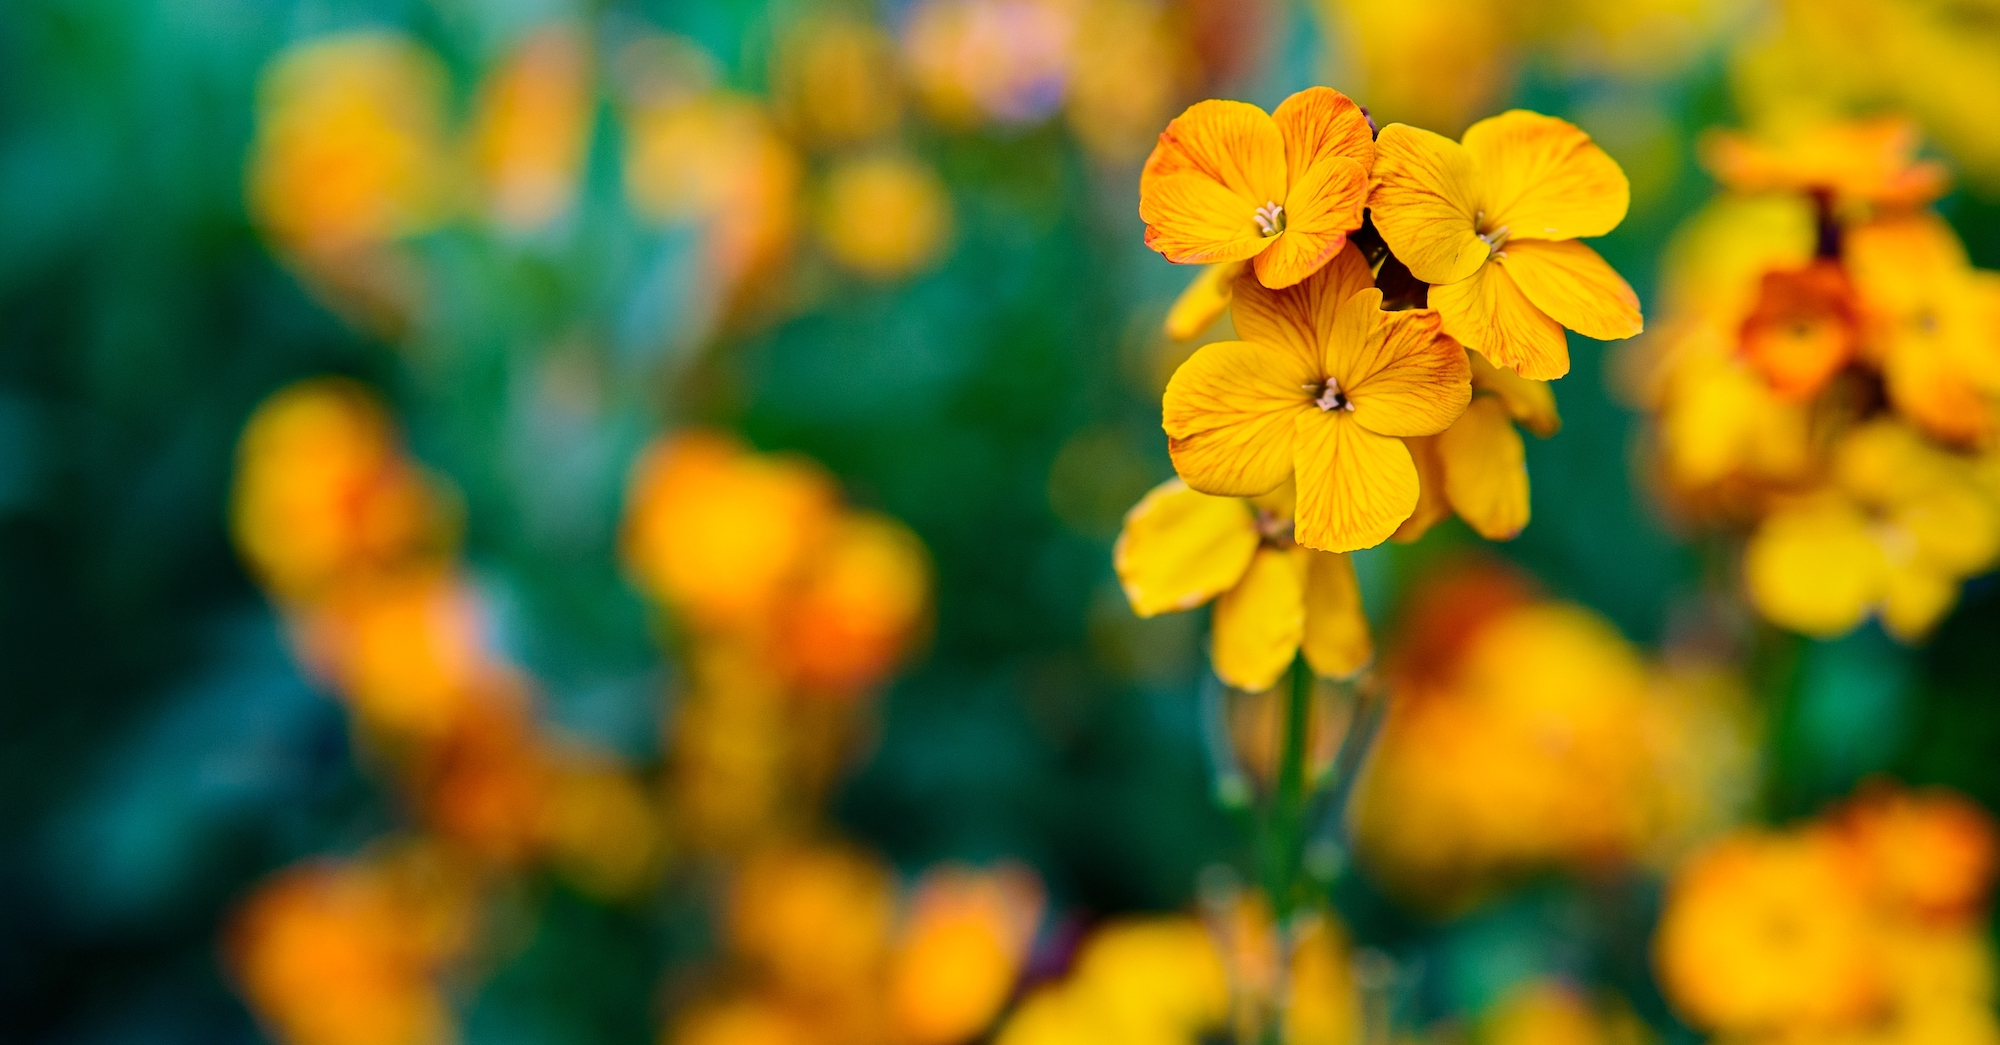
column 531, row 127
column 1478, row 467
column 1551, row 1012
column 1181, row 548
column 601, row 828
column 885, row 216
column 833, row 81
column 1227, row 182
column 815, row 919
column 1865, row 161
column 1491, row 224
column 1322, row 388
column 1392, row 53
column 1931, row 324
column 956, row 960
column 403, row 650
column 1139, row 63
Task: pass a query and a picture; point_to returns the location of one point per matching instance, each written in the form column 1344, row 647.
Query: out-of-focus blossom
column 741, row 1021
column 816, row 920
column 1492, row 225
column 1135, row 66
column 1323, row 386
column 835, row 81
column 324, row 492
column 731, row 774
column 1478, row 467
column 531, row 128
column 352, row 953
column 956, row 959
column 1229, row 183
column 1932, row 853
column 1008, row 61
column 861, row 607
column 1391, row 54
column 1204, row 301
column 1181, row 548
column 1319, row 1006
column 600, row 827
column 884, row 216
column 1933, row 325
column 404, row 650
column 1862, row 162
column 1150, row 981
column 1551, row 1012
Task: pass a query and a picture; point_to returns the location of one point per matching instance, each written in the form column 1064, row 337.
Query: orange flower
column 1491, row 224
column 1322, row 387
column 1933, row 852
column 956, row 960
column 1933, row 324
column 1227, row 182
column 815, row 919
column 405, row 651
column 860, row 609
column 1478, row 467
column 1864, row 161
column 531, row 126
column 1802, row 330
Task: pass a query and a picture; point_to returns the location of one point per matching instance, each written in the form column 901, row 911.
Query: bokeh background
column 929, row 277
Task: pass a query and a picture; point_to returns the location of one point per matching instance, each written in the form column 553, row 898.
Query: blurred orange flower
column 531, row 128
column 957, row 957
column 861, row 607
column 1861, row 162
column 815, row 919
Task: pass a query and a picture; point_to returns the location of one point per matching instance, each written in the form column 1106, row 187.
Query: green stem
column 1285, row 856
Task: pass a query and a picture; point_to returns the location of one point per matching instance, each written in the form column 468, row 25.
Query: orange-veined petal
column 1257, row 625
column 1320, row 122
column 1532, row 403
column 1489, row 314
column 1215, row 164
column 1194, row 220
column 1336, row 643
column 1572, row 285
column 1486, row 471
column 1355, row 487
column 1432, row 506
column 1322, row 206
column 1228, row 414
column 1180, row 548
column 1425, row 203
column 1404, row 376
column 1299, row 319
column 1543, row 178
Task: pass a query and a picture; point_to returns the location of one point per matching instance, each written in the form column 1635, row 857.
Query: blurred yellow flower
column 1136, row 981
column 404, row 650
column 1181, row 548
column 1321, row 388
column 861, row 607
column 835, row 82
column 1229, row 183
column 1860, row 162
column 531, row 128
column 1933, row 324
column 815, row 919
column 1392, row 54
column 1137, row 63
column 740, row 1021
column 1204, row 301
column 884, row 216
column 603, row 831
column 1008, row 61
column 1492, row 225
column 956, row 959
column 1551, row 1012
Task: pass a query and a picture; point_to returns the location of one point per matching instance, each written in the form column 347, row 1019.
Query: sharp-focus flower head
column 1491, row 224
column 1860, row 162
column 1181, row 548
column 1322, row 389
column 1229, row 182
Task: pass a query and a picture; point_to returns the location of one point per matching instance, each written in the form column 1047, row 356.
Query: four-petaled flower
column 1491, row 224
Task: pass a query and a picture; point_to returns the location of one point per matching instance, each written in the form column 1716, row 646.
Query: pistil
column 1270, row 219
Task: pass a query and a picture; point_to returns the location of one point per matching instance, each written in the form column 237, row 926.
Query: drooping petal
column 1425, row 202
column 1299, row 319
column 1432, row 505
column 1215, row 164
column 1814, row 568
column 1405, row 377
column 1228, row 414
column 1543, row 178
column 1572, row 285
column 1181, row 548
column 1532, row 403
column 1320, row 122
column 1489, row 314
column 1203, row 302
column 1337, row 643
column 1322, row 206
column 1486, row 471
column 1257, row 625
column 1355, row 487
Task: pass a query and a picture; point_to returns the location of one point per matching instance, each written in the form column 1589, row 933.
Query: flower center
column 1270, row 219
column 1495, row 239
column 1328, row 396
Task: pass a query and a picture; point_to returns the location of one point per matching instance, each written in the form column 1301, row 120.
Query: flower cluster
column 1866, row 924
column 1401, row 300
column 1829, row 378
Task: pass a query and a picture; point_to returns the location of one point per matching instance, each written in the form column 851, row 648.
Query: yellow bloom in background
column 603, row 830
column 1227, row 182
column 741, row 1021
column 884, row 216
column 350, row 148
column 1551, row 1012
column 1860, row 162
column 1491, row 224
column 835, row 82
column 956, row 959
column 860, row 608
column 404, row 650
column 1203, row 302
column 1322, row 387
column 531, row 128
column 1136, row 981
column 815, row 919
column 1392, row 53
column 1138, row 63
column 1931, row 324
column 1478, row 467
column 1008, row 61
column 732, row 775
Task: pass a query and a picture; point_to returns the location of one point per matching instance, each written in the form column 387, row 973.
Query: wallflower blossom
column 1204, row 301
column 961, row 948
column 1478, row 467
column 1320, row 389
column 1138, row 63
column 1227, row 182
column 531, row 127
column 1492, row 225
column 1931, row 325
column 860, row 609
column 1858, row 162
column 884, row 216
column 1181, row 548
column 1160, row 980
column 816, row 919
column 834, row 81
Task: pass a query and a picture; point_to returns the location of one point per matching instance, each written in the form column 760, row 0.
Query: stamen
column 1494, row 240
column 1330, row 397
column 1270, row 219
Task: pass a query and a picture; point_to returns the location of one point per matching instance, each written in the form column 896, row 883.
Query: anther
column 1270, row 219
column 1330, row 396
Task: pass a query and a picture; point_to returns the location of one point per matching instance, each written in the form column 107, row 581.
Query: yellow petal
column 1323, row 205
column 1486, row 471
column 1532, row 403
column 1432, row 506
column 1488, row 314
column 1299, row 319
column 1424, row 203
column 1181, row 548
column 1228, row 416
column 1572, row 285
column 1925, row 386
column 1257, row 625
column 1336, row 643
column 1543, row 178
column 1355, row 487
column 1914, row 600
column 1320, row 122
column 1814, row 568
column 1405, row 377
column 1203, row 302
column 1215, row 164
column 1950, row 529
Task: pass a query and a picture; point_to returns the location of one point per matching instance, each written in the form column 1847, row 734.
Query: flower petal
column 1424, row 201
column 1355, row 487
column 1543, row 178
column 1405, row 377
column 1320, row 122
column 1215, row 164
column 1203, row 302
column 1181, row 548
column 1257, row 625
column 1914, row 599
column 1572, row 285
column 1322, row 206
column 1299, row 319
column 1432, row 505
column 1228, row 417
column 1490, row 315
column 1532, row 403
column 1336, row 642
column 1486, row 470
column 1814, row 568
